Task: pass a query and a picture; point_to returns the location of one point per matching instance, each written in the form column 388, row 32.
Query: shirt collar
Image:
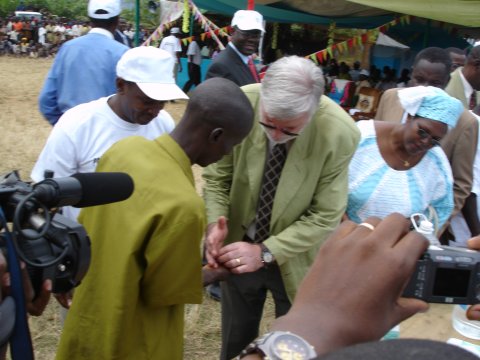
column 243, row 57
column 101, row 32
column 466, row 85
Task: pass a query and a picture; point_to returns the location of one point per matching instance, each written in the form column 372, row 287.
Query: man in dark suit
column 235, row 62
column 119, row 35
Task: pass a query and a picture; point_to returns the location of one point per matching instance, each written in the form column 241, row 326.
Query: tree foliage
column 77, row 9
column 71, row 9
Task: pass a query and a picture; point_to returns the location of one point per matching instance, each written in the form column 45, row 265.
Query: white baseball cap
column 175, row 30
column 104, row 9
column 152, row 70
column 365, row 72
column 248, row 20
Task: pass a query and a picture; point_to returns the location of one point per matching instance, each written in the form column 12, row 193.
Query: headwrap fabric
column 431, row 103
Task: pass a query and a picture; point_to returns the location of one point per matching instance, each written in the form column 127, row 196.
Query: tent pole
column 137, row 23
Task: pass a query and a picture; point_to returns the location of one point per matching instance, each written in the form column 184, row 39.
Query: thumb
column 222, row 222
column 409, row 306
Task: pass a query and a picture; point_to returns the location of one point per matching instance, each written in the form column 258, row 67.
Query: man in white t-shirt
column 172, row 44
column 85, row 132
column 194, row 61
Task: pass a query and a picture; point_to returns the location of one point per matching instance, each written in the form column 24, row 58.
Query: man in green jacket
column 310, row 198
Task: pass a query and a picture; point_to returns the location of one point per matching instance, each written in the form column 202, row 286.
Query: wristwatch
column 266, row 256
column 280, row 345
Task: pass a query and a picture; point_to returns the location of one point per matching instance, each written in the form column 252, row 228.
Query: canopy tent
column 354, row 13
column 385, row 40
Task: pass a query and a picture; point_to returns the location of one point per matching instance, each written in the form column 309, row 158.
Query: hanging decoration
column 331, row 33
column 210, row 28
column 251, row 5
column 203, row 36
column 186, row 17
column 369, row 35
column 276, row 27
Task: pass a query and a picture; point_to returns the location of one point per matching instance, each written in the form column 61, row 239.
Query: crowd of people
column 299, row 200
column 42, row 37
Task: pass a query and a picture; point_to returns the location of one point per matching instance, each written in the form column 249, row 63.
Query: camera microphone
column 84, row 189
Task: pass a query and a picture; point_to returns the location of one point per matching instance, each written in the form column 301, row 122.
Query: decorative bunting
column 186, row 17
column 210, row 28
column 358, row 40
column 329, row 51
column 276, row 27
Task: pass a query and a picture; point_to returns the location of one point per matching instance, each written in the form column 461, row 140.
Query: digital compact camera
column 447, row 275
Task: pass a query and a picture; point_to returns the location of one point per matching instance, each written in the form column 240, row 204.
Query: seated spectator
column 388, row 81
column 343, row 71
column 363, row 81
column 355, row 72
column 403, row 79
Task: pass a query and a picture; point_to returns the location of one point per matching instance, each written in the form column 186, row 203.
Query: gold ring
column 238, row 260
column 367, row 225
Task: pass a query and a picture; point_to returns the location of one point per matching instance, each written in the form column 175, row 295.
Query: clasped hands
column 238, row 257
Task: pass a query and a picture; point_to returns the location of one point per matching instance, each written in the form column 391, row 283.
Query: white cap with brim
column 248, row 20
column 104, row 9
column 152, row 70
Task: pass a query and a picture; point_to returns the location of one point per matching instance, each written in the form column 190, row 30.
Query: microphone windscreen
column 103, row 188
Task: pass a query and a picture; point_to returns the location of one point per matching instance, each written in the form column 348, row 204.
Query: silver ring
column 238, row 261
column 367, row 225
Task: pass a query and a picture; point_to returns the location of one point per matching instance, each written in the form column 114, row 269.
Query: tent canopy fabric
column 386, row 40
column 354, row 13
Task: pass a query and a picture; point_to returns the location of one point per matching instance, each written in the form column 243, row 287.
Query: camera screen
column 451, row 282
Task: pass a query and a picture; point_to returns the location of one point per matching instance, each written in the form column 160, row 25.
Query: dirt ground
column 23, row 134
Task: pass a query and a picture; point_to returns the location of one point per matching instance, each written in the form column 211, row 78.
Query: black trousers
column 194, row 76
column 243, row 298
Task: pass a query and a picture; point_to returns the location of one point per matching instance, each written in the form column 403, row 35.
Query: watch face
column 290, row 347
column 267, row 257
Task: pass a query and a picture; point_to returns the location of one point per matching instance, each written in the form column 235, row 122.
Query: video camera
column 52, row 246
column 56, row 247
column 446, row 275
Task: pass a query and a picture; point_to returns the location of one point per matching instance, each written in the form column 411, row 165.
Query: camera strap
column 20, row 341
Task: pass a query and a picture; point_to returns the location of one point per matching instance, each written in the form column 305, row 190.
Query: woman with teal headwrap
column 400, row 167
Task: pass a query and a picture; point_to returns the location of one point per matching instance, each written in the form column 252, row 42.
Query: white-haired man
column 271, row 237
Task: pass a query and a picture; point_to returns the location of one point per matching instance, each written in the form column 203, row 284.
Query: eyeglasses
column 286, row 132
column 424, row 134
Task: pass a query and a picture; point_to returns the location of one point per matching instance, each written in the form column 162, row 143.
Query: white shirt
column 83, row 134
column 41, row 35
column 172, row 45
column 194, row 50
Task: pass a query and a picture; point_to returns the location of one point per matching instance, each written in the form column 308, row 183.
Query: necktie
column 253, row 70
column 473, row 100
column 273, row 170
